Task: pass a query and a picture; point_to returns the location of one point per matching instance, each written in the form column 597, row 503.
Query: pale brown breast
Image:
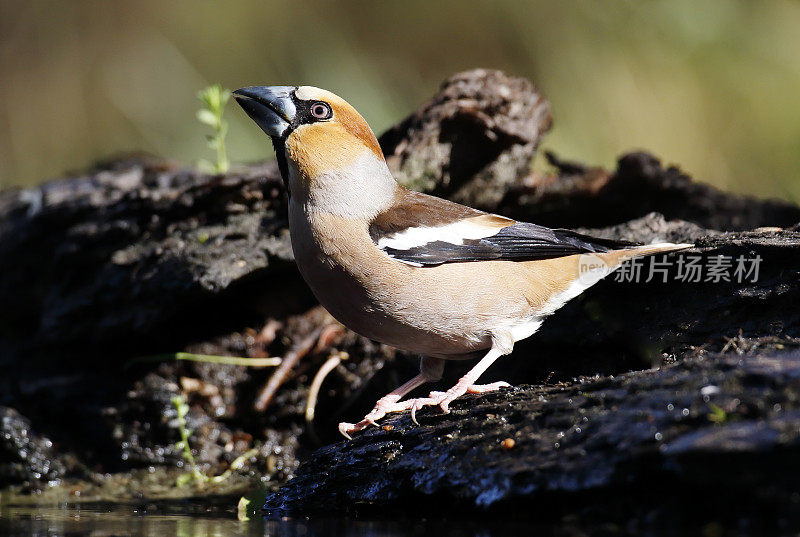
column 448, row 310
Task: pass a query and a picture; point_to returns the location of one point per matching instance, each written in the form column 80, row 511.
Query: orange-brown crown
column 320, row 146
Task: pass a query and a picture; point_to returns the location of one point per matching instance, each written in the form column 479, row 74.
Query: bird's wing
column 423, row 230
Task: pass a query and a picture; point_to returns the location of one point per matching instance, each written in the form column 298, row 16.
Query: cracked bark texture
column 472, row 140
column 641, row 443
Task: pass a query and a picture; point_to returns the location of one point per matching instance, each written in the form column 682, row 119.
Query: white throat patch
column 361, row 190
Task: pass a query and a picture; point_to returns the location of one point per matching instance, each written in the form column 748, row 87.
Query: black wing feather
column 519, row 242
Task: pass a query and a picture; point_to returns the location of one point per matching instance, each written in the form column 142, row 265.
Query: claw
column 416, row 405
column 384, row 405
column 347, row 428
column 443, row 399
column 414, row 415
column 344, row 428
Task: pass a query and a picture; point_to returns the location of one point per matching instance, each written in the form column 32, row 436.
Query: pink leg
column 466, row 384
column 430, row 369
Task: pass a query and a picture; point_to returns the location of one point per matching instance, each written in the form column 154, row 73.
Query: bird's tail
column 615, row 258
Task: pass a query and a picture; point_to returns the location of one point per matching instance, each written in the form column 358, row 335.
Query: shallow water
column 201, row 518
column 100, row 521
column 214, row 517
column 194, row 519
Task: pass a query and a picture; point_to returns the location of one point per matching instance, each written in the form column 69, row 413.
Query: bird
column 410, row 270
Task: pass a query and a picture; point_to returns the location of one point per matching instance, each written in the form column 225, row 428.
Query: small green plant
column 205, row 358
column 195, row 474
column 717, row 414
column 214, row 99
column 243, row 509
column 199, row 477
column 250, row 505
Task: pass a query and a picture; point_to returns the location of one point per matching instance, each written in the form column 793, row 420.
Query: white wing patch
column 455, row 233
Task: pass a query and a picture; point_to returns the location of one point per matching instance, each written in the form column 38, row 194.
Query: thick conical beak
column 271, row 107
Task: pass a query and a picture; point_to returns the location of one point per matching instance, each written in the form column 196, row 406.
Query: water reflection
column 205, row 518
column 197, row 520
column 99, row 522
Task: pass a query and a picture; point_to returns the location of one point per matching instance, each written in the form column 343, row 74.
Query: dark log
column 472, row 140
column 713, row 437
column 586, row 196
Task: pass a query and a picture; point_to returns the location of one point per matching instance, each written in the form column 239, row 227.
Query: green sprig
column 214, row 99
column 199, row 477
column 195, row 474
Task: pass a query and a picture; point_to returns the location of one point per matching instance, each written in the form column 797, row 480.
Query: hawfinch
column 410, row 270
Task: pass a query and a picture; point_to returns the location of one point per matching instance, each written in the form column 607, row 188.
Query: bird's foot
column 385, row 404
column 390, row 403
column 443, row 399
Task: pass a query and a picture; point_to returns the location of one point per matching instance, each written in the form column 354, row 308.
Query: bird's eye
column 321, row 111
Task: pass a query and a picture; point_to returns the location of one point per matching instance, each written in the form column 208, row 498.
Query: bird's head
column 322, row 140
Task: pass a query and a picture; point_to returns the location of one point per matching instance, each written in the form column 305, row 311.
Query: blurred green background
column 713, row 86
